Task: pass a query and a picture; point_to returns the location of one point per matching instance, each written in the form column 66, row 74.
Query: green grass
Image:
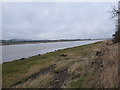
column 17, row 70
column 79, row 82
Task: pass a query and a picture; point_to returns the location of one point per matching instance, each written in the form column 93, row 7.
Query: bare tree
column 116, row 12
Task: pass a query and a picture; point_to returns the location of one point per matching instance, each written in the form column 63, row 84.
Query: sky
column 57, row 20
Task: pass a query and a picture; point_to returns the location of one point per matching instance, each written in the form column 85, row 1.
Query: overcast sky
column 56, row 20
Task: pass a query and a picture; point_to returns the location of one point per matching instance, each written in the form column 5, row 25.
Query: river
column 13, row 52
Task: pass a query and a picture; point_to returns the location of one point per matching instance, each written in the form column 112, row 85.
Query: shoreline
column 6, row 44
column 68, row 68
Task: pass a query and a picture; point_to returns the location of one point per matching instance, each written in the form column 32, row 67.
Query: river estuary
column 13, row 52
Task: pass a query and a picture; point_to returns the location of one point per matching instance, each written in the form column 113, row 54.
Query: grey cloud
column 57, row 20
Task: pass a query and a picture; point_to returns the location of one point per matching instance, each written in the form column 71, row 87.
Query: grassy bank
column 92, row 65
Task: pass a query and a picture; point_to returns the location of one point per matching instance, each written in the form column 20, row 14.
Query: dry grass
column 77, row 68
column 36, row 68
column 62, row 65
column 42, row 81
column 109, row 75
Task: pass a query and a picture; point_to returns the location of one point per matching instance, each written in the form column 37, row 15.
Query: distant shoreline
column 3, row 44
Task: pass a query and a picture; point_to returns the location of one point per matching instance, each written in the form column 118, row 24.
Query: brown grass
column 62, row 65
column 109, row 75
column 42, row 81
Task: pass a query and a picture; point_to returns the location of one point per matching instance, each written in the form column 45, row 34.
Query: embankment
column 87, row 66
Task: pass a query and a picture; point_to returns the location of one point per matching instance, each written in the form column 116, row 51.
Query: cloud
column 57, row 20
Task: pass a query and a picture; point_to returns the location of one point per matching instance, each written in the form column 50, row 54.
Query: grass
column 40, row 82
column 17, row 70
column 79, row 82
column 43, row 71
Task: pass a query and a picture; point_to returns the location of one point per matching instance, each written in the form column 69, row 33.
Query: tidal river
column 13, row 52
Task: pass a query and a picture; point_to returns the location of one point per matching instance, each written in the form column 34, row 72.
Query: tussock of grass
column 77, row 68
column 79, row 82
column 42, row 81
column 62, row 65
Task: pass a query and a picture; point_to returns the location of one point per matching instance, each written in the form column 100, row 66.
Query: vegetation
column 116, row 36
column 77, row 67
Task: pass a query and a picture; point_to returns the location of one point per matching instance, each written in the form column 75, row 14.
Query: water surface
column 13, row 52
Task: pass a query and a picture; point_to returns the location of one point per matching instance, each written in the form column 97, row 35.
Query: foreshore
column 87, row 66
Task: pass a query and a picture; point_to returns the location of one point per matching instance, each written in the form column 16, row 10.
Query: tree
column 115, row 12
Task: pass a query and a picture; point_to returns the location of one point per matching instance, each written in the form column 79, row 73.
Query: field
column 87, row 66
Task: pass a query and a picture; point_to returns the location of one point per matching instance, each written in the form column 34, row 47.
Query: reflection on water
column 13, row 52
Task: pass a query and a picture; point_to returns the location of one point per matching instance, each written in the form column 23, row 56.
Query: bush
column 116, row 36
